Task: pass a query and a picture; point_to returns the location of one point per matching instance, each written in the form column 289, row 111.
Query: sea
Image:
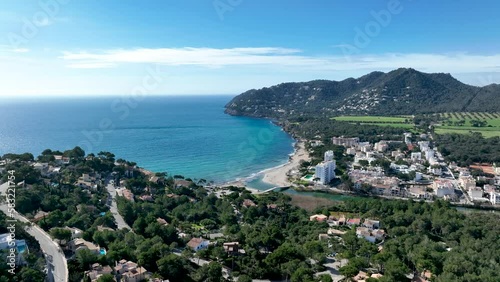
column 180, row 135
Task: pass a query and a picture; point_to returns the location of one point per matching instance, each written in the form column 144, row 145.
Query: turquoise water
column 190, row 136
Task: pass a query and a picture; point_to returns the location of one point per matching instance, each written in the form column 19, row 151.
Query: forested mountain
column 402, row 91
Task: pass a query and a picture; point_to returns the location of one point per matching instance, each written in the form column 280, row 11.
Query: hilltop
column 399, row 92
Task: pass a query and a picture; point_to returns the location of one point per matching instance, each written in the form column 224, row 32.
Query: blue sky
column 74, row 47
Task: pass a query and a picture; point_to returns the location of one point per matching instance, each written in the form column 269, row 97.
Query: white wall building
column 476, row 193
column 416, row 156
column 495, row 198
column 325, row 170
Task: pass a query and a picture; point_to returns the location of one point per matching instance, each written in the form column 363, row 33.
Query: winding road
column 58, row 266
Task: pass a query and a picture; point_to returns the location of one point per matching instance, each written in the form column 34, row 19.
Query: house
column 318, row 217
column 346, row 142
column 379, row 234
column 41, row 166
column 361, row 276
column 467, row 182
column 353, row 221
column 61, row 160
column 197, row 244
column 495, row 198
column 81, row 244
column 371, row 224
column 126, row 193
column 476, row 193
column 97, row 271
column 130, row 271
column 248, row 203
column 419, row 193
column 146, row 198
column 365, row 233
column 178, row 183
column 162, row 221
column 335, row 232
column 75, row 232
column 333, row 221
column 443, row 188
column 7, row 242
column 370, row 235
column 231, row 247
column 416, row 156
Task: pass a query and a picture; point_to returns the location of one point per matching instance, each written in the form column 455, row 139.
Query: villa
column 81, row 244
column 130, row 271
column 97, row 271
column 197, row 244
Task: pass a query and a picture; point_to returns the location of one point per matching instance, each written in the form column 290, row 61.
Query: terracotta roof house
column 130, row 271
column 197, row 244
column 97, row 271
column 354, row 221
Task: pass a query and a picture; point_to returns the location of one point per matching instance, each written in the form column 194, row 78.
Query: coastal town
column 411, row 168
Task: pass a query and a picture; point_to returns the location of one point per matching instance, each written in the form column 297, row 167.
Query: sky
column 120, row 47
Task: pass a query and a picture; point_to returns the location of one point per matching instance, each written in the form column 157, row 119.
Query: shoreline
column 278, row 175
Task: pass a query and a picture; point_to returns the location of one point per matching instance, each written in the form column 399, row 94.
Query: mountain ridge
column 402, row 91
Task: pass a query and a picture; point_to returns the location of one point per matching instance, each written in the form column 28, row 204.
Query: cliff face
column 399, row 92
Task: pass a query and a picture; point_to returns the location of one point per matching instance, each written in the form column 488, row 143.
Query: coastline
column 278, row 175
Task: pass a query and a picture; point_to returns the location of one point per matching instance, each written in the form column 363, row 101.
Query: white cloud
column 282, row 57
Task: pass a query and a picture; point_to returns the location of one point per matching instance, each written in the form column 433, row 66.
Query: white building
column 416, row 156
column 325, row 170
column 343, row 141
column 495, row 198
column 476, row 193
column 429, row 154
column 328, row 156
column 443, row 188
column 351, row 151
column 407, row 138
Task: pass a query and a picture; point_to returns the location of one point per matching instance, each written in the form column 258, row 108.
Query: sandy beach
column 278, row 175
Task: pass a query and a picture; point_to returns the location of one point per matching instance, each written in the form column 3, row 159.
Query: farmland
column 488, row 124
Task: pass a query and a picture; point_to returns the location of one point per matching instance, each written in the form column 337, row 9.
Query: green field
column 394, row 121
column 488, row 124
column 372, row 119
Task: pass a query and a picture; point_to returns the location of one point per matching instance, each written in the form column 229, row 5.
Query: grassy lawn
column 371, row 119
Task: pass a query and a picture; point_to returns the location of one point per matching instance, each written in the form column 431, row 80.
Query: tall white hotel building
column 325, row 170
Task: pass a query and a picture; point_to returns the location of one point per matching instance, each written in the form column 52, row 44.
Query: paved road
column 59, row 267
column 120, row 222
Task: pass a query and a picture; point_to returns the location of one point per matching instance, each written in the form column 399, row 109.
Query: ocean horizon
column 185, row 135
